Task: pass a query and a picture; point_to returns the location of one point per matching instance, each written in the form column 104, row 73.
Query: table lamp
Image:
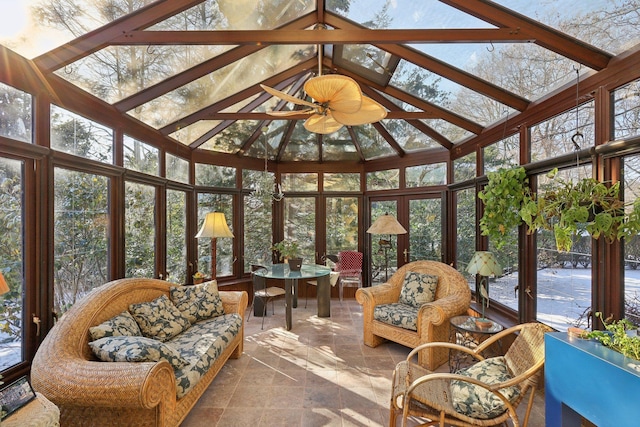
column 485, row 264
column 214, row 226
column 386, row 224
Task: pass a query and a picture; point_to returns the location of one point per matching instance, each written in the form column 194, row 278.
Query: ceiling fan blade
column 287, row 97
column 336, row 92
column 322, row 123
column 288, row 113
column 370, row 112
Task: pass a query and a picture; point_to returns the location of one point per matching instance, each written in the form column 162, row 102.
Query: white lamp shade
column 386, row 224
column 215, row 225
column 484, row 263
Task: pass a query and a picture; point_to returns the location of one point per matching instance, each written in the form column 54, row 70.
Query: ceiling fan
column 337, row 102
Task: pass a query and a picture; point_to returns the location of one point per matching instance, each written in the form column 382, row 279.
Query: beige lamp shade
column 4, row 288
column 484, row 263
column 386, row 224
column 215, row 225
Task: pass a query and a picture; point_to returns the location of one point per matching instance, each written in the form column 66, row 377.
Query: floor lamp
column 386, row 224
column 214, row 226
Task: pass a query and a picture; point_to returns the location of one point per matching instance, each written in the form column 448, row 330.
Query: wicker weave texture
column 453, row 298
column 93, row 393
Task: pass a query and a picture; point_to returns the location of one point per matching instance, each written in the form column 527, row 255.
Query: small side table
column 466, row 332
column 40, row 412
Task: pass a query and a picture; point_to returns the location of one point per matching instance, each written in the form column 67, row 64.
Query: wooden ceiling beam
column 443, row 69
column 545, row 36
column 99, row 38
column 389, row 138
column 356, row 142
column 294, row 37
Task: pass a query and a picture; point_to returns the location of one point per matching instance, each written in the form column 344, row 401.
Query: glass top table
column 307, row 271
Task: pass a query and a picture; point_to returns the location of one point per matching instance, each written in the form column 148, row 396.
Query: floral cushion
column 159, row 319
column 201, row 345
column 418, row 289
column 198, row 302
column 397, row 314
column 121, row 325
column 136, row 349
column 477, row 402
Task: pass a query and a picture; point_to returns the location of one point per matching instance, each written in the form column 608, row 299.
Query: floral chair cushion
column 122, row 324
column 418, row 289
column 397, row 314
column 159, row 319
column 136, row 349
column 198, row 302
column 477, row 402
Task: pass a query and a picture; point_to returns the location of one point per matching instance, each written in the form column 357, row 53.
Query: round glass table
column 291, row 278
column 469, row 331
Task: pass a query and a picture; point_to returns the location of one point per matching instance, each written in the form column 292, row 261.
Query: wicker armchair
column 452, row 298
column 465, row 400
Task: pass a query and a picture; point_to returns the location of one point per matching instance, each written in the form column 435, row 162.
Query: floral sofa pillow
column 477, row 402
column 159, row 319
column 198, row 302
column 122, row 324
column 136, row 349
column 418, row 289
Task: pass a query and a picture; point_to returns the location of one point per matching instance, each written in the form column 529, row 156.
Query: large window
column 465, row 230
column 81, row 223
column 341, row 224
column 140, row 230
column 140, row 157
column 384, row 248
column 12, row 314
column 425, row 229
column 82, row 137
column 176, row 236
column 300, row 225
column 15, row 114
column 631, row 181
column 563, row 278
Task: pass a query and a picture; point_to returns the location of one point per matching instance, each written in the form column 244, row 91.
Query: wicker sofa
column 452, row 298
column 96, row 393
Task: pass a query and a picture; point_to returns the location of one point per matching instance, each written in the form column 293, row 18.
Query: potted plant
column 586, row 206
column 503, row 197
column 619, row 335
column 198, row 278
column 288, row 250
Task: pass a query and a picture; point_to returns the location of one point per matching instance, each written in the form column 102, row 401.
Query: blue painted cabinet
column 584, row 378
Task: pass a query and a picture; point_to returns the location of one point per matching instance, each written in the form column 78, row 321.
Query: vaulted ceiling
column 192, row 70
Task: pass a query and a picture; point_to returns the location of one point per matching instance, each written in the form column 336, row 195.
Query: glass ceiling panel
column 609, row 25
column 372, row 144
column 409, row 138
column 188, row 134
column 238, row 15
column 444, row 93
column 405, row 14
column 450, row 131
column 117, row 72
column 339, row 147
column 302, row 146
column 275, row 131
column 231, row 139
column 220, row 84
column 33, row 27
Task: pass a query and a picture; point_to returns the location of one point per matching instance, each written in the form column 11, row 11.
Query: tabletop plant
column 287, row 249
column 617, row 337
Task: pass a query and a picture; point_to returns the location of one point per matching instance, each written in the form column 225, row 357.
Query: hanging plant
column 587, row 206
column 503, row 198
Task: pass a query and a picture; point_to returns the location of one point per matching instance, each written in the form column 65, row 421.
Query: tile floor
column 317, row 374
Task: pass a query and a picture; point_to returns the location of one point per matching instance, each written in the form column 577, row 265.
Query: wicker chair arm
column 440, row 310
column 376, row 295
column 443, row 344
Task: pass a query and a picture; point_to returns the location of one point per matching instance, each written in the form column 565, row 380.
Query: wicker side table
column 40, row 412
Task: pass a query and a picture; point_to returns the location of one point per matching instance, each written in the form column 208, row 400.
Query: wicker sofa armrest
column 234, row 301
column 376, row 295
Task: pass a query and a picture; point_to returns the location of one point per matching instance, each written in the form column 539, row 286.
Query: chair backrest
column 350, row 263
column 526, row 353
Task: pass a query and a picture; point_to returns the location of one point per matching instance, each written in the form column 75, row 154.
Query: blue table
column 291, row 278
